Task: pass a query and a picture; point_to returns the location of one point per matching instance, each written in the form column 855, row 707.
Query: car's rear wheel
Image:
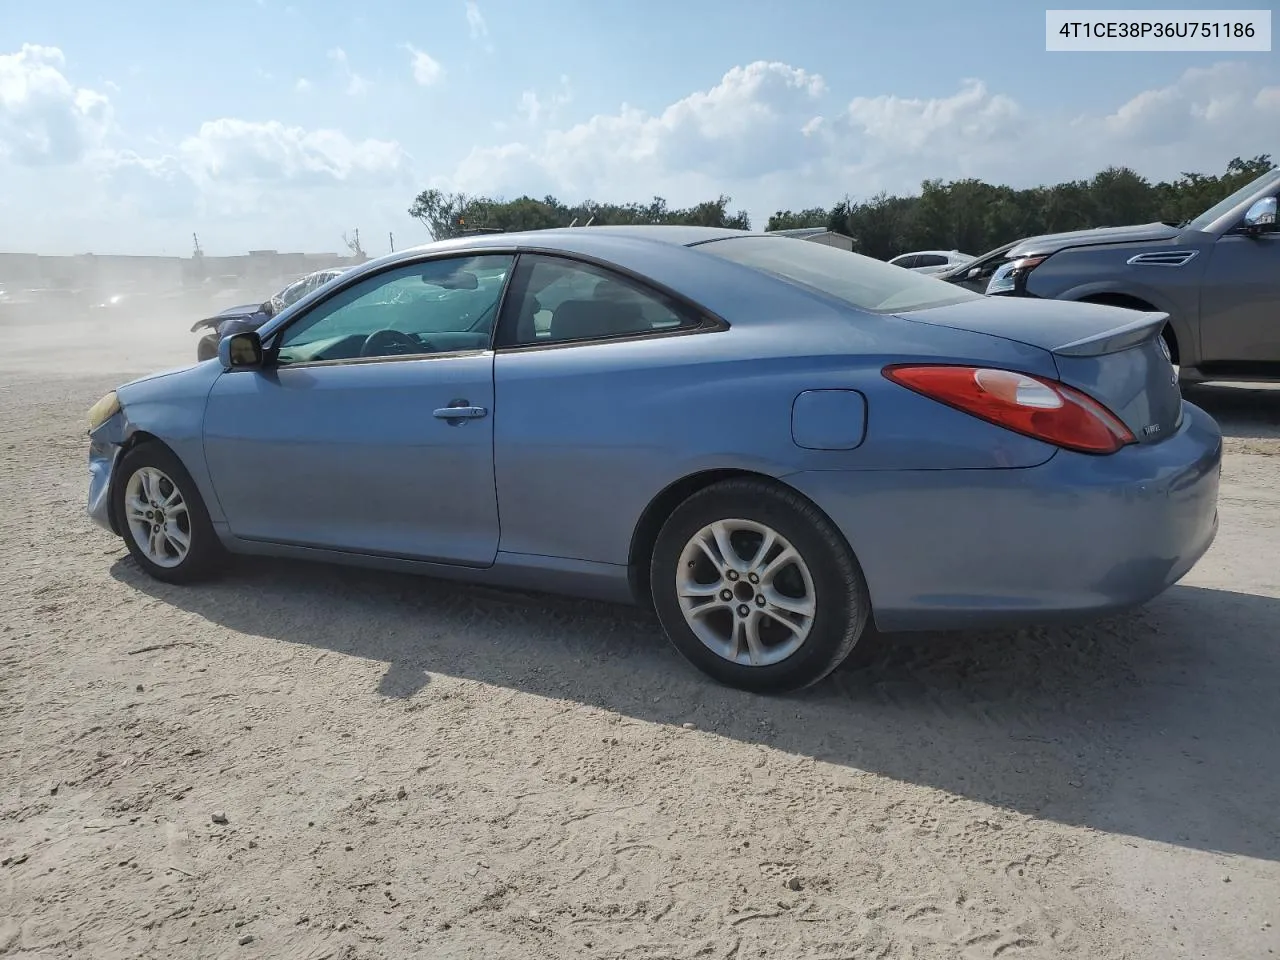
column 756, row 588
column 162, row 517
column 207, row 348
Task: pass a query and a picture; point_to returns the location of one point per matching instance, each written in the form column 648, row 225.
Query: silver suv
column 1217, row 277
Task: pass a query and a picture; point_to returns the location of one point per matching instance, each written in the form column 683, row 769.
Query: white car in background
column 931, row 261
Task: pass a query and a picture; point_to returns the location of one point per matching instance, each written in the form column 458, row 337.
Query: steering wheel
column 382, row 343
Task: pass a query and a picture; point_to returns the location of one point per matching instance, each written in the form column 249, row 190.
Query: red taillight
column 1043, row 409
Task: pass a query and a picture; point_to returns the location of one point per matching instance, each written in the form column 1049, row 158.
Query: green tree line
column 450, row 214
column 967, row 215
column 974, row 217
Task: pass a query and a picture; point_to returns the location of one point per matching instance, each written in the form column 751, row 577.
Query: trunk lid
column 1114, row 355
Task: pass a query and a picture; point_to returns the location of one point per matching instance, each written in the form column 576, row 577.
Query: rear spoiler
column 1145, row 327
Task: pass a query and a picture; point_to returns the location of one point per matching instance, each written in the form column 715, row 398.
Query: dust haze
column 89, row 314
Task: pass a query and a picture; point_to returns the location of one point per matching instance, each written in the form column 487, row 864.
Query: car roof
column 598, row 241
column 680, row 235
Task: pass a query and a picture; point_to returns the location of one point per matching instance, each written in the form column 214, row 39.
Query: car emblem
column 1151, row 429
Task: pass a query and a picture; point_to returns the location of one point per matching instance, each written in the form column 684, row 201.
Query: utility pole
column 391, row 238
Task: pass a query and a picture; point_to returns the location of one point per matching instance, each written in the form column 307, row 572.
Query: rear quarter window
column 859, row 281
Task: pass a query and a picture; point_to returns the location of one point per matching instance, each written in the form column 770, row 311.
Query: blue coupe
column 773, row 443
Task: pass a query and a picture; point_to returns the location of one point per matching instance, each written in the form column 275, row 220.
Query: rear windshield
column 861, row 281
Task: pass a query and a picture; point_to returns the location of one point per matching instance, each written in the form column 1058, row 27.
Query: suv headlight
column 1011, row 277
column 103, row 410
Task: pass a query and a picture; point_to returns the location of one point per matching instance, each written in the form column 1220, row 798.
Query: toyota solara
column 773, row 443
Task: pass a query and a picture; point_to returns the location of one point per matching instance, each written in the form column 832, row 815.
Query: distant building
column 818, row 235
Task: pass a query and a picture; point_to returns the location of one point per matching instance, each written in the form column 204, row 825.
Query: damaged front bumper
column 105, row 446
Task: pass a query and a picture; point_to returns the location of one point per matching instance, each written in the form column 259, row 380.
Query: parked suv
column 1217, row 277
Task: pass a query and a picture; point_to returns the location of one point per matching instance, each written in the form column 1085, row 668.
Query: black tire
column 205, row 553
column 207, row 348
column 841, row 602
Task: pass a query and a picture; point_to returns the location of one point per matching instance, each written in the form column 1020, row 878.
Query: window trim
column 704, row 320
column 271, row 352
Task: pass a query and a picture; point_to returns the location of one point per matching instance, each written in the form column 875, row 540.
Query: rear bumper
column 1075, row 537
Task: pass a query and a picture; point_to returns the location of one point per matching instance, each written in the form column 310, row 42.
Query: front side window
column 931, row 260
column 1206, row 219
column 440, row 306
column 859, row 281
column 555, row 300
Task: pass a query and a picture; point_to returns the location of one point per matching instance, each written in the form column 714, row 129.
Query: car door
column 1240, row 300
column 577, row 439
column 370, row 427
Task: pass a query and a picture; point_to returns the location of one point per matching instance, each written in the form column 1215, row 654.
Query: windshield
column 1206, row 219
column 300, row 288
column 857, row 280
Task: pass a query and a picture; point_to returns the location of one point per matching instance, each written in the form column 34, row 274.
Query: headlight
column 1011, row 277
column 103, row 410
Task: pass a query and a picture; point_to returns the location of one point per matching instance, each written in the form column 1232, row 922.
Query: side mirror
column 240, row 351
column 1261, row 217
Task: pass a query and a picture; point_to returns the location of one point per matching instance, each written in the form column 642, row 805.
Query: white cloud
column 475, row 21
column 912, row 125
column 773, row 135
column 269, row 184
column 537, row 109
column 426, row 69
column 1218, row 101
column 750, row 125
column 150, row 187
column 44, row 119
column 477, row 25
column 356, row 84
column 241, row 151
column 303, row 85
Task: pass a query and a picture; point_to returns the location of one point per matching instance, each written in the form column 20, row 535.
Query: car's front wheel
column 162, row 517
column 756, row 588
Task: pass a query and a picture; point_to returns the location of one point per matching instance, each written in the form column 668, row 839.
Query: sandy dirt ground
column 306, row 762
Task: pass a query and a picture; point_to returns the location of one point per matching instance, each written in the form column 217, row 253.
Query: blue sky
column 281, row 124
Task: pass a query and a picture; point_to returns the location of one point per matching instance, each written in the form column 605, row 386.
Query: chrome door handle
column 459, row 411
